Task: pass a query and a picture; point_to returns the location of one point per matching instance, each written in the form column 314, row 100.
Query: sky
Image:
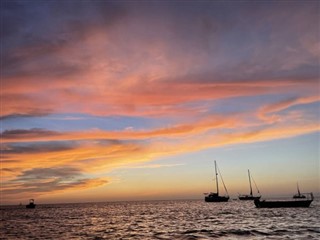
column 134, row 100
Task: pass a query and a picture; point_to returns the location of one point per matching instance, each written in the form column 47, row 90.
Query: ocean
column 181, row 219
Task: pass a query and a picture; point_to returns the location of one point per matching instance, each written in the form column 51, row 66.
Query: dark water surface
column 191, row 219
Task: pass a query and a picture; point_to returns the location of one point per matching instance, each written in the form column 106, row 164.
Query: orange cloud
column 92, row 157
column 97, row 149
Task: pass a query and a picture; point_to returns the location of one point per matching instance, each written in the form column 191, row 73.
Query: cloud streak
column 265, row 111
column 44, row 180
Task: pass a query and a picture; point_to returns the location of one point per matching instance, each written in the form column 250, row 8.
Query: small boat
column 31, row 204
column 293, row 203
column 214, row 197
column 250, row 196
column 299, row 195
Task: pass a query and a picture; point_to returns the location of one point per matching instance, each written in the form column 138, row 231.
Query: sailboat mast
column 298, row 189
column 215, row 166
column 250, row 182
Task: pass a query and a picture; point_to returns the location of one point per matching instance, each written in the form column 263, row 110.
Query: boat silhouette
column 299, row 195
column 31, row 204
column 250, row 196
column 215, row 197
column 292, row 203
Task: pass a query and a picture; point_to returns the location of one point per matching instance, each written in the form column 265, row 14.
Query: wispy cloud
column 45, row 180
column 211, row 122
column 265, row 111
column 27, row 134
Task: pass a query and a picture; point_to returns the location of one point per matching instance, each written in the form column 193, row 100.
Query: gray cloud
column 39, row 113
column 41, row 147
column 42, row 180
column 63, row 173
column 26, row 133
column 38, row 30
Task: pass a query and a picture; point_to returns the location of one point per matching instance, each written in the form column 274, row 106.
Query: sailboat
column 292, row 203
column 250, row 196
column 299, row 195
column 31, row 204
column 214, row 197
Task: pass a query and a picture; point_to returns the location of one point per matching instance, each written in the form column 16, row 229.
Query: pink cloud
column 269, row 112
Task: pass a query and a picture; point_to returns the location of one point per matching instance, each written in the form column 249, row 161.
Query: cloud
column 45, row 173
column 45, row 180
column 89, row 156
column 13, row 107
column 94, row 157
column 27, row 134
column 32, row 148
column 33, row 31
column 99, row 150
column 89, row 60
column 171, row 131
column 158, row 98
column 265, row 111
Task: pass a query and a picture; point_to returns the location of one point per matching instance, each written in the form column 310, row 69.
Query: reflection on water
column 159, row 220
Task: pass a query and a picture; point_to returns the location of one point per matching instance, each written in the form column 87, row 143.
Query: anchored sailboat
column 31, row 204
column 250, row 196
column 292, row 203
column 214, row 197
column 299, row 195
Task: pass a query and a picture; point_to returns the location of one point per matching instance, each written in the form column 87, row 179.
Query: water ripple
column 159, row 220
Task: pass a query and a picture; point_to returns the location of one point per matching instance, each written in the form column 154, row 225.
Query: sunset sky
column 134, row 100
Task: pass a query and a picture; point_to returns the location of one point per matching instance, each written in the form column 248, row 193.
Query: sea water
column 187, row 219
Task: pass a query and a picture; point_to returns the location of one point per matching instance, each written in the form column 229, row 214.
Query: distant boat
column 295, row 203
column 31, row 204
column 250, row 196
column 214, row 197
column 299, row 195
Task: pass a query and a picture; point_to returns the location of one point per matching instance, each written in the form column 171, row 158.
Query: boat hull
column 298, row 196
column 249, row 197
column 31, row 205
column 216, row 199
column 282, row 204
